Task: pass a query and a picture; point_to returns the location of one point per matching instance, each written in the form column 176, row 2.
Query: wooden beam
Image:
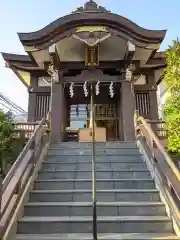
column 93, row 76
column 130, row 51
column 80, row 65
column 55, row 60
column 39, row 89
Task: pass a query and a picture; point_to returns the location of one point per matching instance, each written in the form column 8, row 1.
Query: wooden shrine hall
column 91, row 47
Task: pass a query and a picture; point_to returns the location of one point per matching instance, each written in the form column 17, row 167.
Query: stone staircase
column 128, row 203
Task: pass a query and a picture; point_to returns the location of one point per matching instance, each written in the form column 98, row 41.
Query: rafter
column 130, row 51
column 55, row 59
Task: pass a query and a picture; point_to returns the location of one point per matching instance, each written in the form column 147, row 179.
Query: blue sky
column 26, row 16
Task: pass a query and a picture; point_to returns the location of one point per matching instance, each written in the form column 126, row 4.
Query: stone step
column 99, row 150
column 108, row 224
column 88, row 158
column 88, row 166
column 109, row 152
column 86, row 184
column 128, row 204
column 125, row 195
column 98, row 145
column 103, row 209
column 66, row 174
column 102, row 236
column 101, row 145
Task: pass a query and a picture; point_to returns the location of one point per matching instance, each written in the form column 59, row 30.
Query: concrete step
column 86, row 184
column 108, row 224
column 102, row 236
column 103, row 209
column 88, row 158
column 99, row 166
column 125, row 195
column 128, row 204
column 99, row 145
column 106, row 173
column 109, row 152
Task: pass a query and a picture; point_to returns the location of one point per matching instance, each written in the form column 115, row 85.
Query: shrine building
column 91, row 47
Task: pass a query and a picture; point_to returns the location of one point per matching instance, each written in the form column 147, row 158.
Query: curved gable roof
column 92, row 15
column 64, row 23
column 16, row 57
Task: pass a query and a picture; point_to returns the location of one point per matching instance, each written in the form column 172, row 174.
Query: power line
column 9, row 107
column 11, row 110
column 7, row 103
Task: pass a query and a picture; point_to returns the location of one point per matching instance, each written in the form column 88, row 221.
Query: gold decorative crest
column 91, row 29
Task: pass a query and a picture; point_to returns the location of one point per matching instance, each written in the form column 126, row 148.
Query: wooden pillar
column 32, row 107
column 68, row 113
column 32, row 99
column 153, row 104
column 153, row 108
column 127, row 108
column 57, row 112
column 120, row 124
column 65, row 113
column 153, row 97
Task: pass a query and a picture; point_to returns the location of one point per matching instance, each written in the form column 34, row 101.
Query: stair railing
column 24, row 130
column 12, row 187
column 159, row 127
column 93, row 166
column 160, row 160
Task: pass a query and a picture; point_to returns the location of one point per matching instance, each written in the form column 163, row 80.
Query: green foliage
column 172, row 71
column 173, row 126
column 172, row 106
column 9, row 146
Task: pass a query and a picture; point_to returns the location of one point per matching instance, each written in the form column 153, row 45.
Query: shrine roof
column 16, row 57
column 24, row 62
column 69, row 34
column 23, row 66
column 91, row 14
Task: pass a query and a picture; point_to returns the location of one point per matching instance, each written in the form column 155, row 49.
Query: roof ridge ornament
column 91, row 6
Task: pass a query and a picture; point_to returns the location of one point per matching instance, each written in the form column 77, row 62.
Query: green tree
column 10, row 147
column 172, row 105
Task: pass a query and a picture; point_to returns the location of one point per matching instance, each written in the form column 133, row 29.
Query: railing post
column 22, row 135
column 93, row 168
column 32, row 149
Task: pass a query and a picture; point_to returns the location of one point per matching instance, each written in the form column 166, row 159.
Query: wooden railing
column 160, row 159
column 13, row 185
column 159, row 127
column 24, row 130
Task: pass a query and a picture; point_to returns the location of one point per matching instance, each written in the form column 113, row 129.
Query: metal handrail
column 93, row 168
